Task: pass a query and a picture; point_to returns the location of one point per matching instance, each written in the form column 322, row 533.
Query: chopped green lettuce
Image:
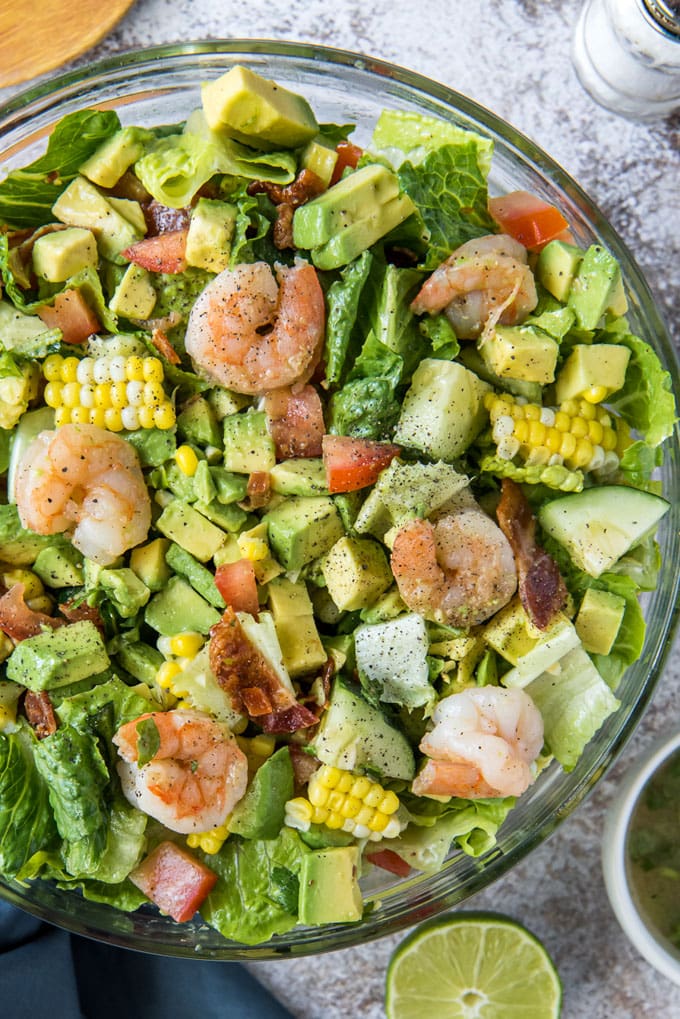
column 638, row 464
column 631, row 636
column 401, row 134
column 365, row 408
column 646, row 401
column 25, row 335
column 471, row 824
column 26, row 820
column 438, row 331
column 342, row 302
column 385, row 313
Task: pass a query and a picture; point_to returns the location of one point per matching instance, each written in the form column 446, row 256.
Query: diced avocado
column 134, row 297
column 125, row 589
column 153, row 445
column 597, row 287
column 57, row 657
column 201, row 579
column 406, row 490
column 211, row 229
column 81, row 204
column 229, row 487
column 109, row 162
column 556, row 642
column 352, row 199
column 510, row 632
column 356, row 736
column 257, row 111
column 248, row 446
column 556, row 267
column 293, row 616
column 347, row 245
column 320, row 158
column 521, row 352
column 148, row 562
column 599, row 620
column 329, row 886
column 443, row 410
column 179, row 609
column 230, row 518
column 373, row 516
column 473, row 360
column 599, row 525
column 224, row 402
column 197, row 424
column 60, row 566
column 301, row 529
column 306, row 476
column 129, row 210
column 205, row 489
column 592, row 365
column 260, row 814
column 356, row 572
column 392, row 657
column 17, row 545
column 141, row 660
column 182, row 523
column 389, row 606
column 63, row 253
column 229, row 553
column 318, row 836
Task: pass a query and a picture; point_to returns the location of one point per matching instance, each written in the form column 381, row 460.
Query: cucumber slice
column 599, row 525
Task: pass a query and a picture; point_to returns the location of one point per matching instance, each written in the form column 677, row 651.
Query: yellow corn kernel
column 300, row 809
column 319, row 815
column 537, row 433
column 255, row 549
column 517, row 412
column 579, row 428
column 318, row 794
column 595, row 432
column 562, row 421
column 608, row 439
column 587, row 410
column 595, row 394
column 374, row 796
column 51, row 368
column 521, row 431
column 334, row 820
column 364, row 816
column 154, row 394
column 152, row 370
column 553, row 440
column 33, row 585
column 568, row 445
column 532, row 412
column 570, row 408
column 166, row 675
column 389, row 803
column 69, row 369
column 70, row 393
column 113, row 420
column 62, row 416
column 102, row 395
column 146, row 417
column 346, row 782
column 360, row 787
column 118, row 395
column 53, row 394
column 186, row 645
column 379, row 821
column 80, row 415
column 262, row 745
column 335, row 801
column 350, row 807
column 328, row 775
column 209, row 841
column 97, row 417
column 186, row 460
column 134, row 369
column 583, row 453
column 164, row 416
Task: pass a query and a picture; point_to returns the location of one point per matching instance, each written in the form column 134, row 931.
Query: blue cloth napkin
column 46, row 973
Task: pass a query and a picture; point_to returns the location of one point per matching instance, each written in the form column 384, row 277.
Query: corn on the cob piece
column 209, row 841
column 112, row 392
column 341, row 799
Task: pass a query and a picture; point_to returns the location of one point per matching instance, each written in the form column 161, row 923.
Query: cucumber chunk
column 599, row 525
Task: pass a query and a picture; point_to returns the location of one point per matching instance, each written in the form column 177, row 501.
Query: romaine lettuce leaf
column 646, row 401
column 25, row 335
column 26, row 821
column 342, row 302
column 439, row 333
column 631, row 636
column 471, row 824
column 364, row 408
column 450, row 193
column 413, row 136
column 27, row 195
column 637, row 465
column 641, row 564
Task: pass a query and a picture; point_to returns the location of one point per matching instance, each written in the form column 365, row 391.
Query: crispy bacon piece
column 18, row 621
column 161, row 219
column 541, row 587
column 295, row 421
column 74, row 613
column 40, row 713
column 259, row 489
column 250, row 681
column 164, row 347
column 304, row 766
column 307, row 185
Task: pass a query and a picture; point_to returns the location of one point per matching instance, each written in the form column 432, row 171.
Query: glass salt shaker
column 626, row 54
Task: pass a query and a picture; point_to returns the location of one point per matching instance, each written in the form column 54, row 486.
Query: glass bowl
column 162, row 85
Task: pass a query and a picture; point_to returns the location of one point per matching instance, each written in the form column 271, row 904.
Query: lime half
column 472, row 966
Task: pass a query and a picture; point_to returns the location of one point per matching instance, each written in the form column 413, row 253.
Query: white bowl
column 648, row 941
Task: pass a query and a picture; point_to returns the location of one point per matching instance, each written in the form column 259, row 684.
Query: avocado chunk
column 306, row 476
column 248, row 446
column 521, row 352
column 17, row 545
column 211, row 229
column 148, row 562
column 555, row 642
column 180, row 609
column 200, row 578
column 599, row 620
column 257, row 111
column 141, row 660
column 130, row 210
column 81, row 204
column 60, row 566
column 473, row 360
column 58, row 657
column 356, row 736
column 198, row 425
column 134, row 297
column 592, row 366
column 597, row 288
column 329, row 886
column 556, row 267
column 190, row 529
column 293, row 616
column 443, row 410
column 229, row 518
column 510, row 632
column 63, row 253
column 320, row 158
column 109, row 162
column 301, row 529
column 125, row 589
column 260, row 814
column 356, row 572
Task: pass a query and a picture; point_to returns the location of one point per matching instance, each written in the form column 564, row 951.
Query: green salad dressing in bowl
column 162, row 86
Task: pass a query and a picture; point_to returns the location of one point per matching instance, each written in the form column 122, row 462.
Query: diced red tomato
column 163, row 253
column 72, row 314
column 389, row 860
column 295, row 420
column 355, row 463
column 527, row 218
column 348, row 155
column 19, row 621
column 174, row 880
column 237, row 585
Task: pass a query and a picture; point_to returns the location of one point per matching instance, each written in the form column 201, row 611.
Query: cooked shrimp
column 484, row 280
column 251, row 335
column 457, row 569
column 87, row 482
column 194, row 779
column 483, row 743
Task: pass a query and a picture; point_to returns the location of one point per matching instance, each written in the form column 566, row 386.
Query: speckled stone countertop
column 513, row 57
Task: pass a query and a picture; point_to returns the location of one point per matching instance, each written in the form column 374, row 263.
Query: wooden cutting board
column 44, row 34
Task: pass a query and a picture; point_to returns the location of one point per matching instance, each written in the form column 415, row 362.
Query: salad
column 327, row 497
